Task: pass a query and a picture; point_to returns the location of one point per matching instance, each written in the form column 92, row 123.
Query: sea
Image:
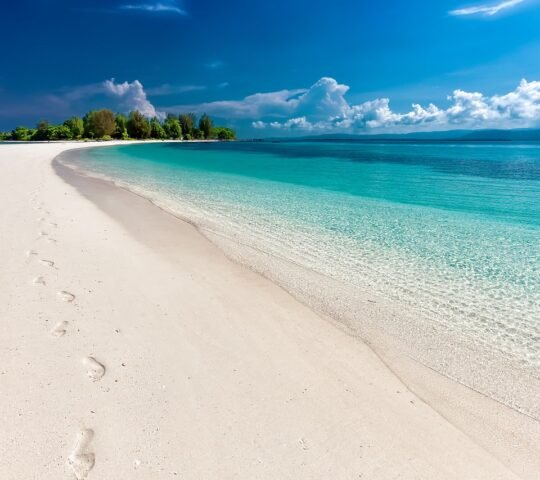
column 432, row 248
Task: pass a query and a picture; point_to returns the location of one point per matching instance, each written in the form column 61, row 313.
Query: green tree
column 156, row 129
column 172, row 127
column 60, row 132
column 197, row 134
column 43, row 131
column 76, row 127
column 121, row 127
column 205, row 126
column 223, row 133
column 187, row 123
column 138, row 126
column 22, row 133
column 98, row 124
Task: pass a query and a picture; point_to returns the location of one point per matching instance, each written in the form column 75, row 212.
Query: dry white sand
column 137, row 350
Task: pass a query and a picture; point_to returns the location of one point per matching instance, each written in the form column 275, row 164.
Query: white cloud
column 122, row 97
column 324, row 107
column 486, row 9
column 131, row 97
column 281, row 103
column 166, row 7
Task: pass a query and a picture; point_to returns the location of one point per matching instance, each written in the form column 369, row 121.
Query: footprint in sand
column 81, row 461
column 39, row 281
column 95, row 370
column 59, row 329
column 43, row 234
column 30, row 253
column 66, row 296
column 52, row 224
column 48, row 263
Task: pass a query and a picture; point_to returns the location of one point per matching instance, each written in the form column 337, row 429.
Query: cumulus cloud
column 323, row 107
column 131, row 97
column 489, row 9
column 122, row 97
column 164, row 7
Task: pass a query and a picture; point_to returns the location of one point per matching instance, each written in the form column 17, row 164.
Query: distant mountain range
column 524, row 134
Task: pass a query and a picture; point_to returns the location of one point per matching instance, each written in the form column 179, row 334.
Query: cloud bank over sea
column 323, row 107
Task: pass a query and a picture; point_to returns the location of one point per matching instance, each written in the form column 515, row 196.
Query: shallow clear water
column 449, row 231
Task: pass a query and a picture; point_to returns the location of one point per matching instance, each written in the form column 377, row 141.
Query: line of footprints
column 81, row 461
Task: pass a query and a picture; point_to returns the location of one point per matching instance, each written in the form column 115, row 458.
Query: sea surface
column 447, row 233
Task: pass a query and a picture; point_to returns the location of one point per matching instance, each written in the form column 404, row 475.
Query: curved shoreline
column 389, row 326
column 470, row 410
column 132, row 341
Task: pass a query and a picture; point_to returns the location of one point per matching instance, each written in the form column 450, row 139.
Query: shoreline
column 396, row 331
column 477, row 411
column 139, row 225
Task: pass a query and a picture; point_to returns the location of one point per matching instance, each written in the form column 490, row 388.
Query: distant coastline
column 492, row 135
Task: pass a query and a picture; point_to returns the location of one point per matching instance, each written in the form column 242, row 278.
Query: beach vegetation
column 99, row 123
column 120, row 132
column 156, row 129
column 22, row 134
column 76, row 127
column 105, row 125
column 138, row 125
column 205, row 126
column 187, row 122
column 42, row 132
column 60, row 132
column 197, row 134
column 223, row 133
column 172, row 127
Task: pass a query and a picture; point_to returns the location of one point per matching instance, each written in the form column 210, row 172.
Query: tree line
column 105, row 125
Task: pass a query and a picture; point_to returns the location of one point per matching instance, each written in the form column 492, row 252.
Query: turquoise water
column 450, row 232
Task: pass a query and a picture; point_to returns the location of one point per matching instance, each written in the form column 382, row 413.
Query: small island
column 104, row 124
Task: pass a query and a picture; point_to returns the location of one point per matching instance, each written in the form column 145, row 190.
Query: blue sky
column 276, row 68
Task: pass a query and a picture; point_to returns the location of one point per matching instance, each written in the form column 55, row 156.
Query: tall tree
column 172, row 127
column 187, row 122
column 156, row 130
column 137, row 125
column 120, row 131
column 100, row 123
column 205, row 126
column 42, row 131
column 76, row 126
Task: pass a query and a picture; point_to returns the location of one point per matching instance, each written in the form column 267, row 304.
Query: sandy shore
column 132, row 347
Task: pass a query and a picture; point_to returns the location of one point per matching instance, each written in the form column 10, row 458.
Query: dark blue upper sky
column 210, row 56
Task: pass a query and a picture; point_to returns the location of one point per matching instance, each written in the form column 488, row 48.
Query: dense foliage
column 105, row 125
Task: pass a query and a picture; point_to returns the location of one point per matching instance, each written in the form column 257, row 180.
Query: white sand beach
column 133, row 348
